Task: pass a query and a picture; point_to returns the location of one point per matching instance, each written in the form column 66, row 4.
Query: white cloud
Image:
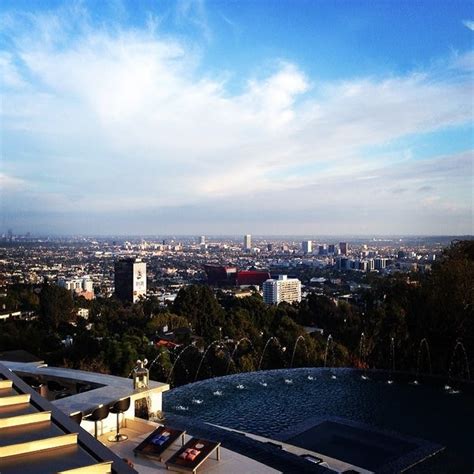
column 9, row 74
column 11, row 183
column 125, row 120
column 464, row 62
column 469, row 24
column 194, row 11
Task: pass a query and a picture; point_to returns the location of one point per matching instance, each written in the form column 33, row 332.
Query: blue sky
column 269, row 117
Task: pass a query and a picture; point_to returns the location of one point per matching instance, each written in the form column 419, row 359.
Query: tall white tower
column 247, row 242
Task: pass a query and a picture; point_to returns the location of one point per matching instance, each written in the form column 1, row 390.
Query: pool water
column 266, row 403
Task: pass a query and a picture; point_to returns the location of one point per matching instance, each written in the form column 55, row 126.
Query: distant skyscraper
column 130, row 279
column 307, row 246
column 343, row 263
column 283, row 289
column 344, row 248
column 322, row 250
column 331, row 249
column 269, row 247
column 247, row 242
column 202, row 240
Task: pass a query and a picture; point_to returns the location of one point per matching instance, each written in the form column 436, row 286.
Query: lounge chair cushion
column 190, row 454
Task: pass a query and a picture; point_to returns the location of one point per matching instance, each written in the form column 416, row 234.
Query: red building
column 220, row 275
column 252, row 277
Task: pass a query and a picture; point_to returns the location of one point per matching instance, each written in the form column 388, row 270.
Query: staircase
column 36, row 440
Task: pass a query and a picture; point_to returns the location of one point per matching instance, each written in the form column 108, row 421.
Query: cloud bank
column 119, row 130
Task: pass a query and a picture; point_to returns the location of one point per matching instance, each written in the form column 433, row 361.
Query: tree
column 56, row 306
column 199, row 305
column 171, row 320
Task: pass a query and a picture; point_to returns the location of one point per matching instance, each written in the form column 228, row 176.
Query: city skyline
column 191, row 117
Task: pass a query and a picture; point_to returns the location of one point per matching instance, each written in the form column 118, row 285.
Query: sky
column 231, row 117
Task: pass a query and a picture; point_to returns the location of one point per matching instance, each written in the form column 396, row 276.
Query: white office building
column 78, row 285
column 284, row 289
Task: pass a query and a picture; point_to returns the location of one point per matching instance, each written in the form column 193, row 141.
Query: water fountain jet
column 392, row 360
column 423, row 345
column 165, row 350
column 231, row 360
column 270, row 339
column 190, row 346
column 213, row 343
column 464, row 374
column 298, row 339
column 329, row 348
column 363, row 356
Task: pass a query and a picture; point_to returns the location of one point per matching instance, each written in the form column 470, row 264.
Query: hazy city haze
column 234, row 117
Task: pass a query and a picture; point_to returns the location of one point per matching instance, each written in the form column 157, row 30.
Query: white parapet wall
column 107, row 389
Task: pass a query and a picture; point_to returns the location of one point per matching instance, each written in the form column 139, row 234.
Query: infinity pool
column 268, row 403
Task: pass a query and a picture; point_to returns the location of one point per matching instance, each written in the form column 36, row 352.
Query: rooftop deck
column 240, row 452
column 53, row 443
column 137, row 430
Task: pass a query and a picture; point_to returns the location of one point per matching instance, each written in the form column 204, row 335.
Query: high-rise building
column 284, row 289
column 331, row 249
column 307, row 246
column 343, row 263
column 202, row 240
column 323, row 250
column 344, row 248
column 270, row 247
column 130, row 279
column 380, row 263
column 247, row 242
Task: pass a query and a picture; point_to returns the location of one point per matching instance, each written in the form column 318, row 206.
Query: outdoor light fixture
column 140, row 375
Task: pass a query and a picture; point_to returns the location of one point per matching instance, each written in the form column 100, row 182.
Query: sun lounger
column 158, row 442
column 193, row 454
